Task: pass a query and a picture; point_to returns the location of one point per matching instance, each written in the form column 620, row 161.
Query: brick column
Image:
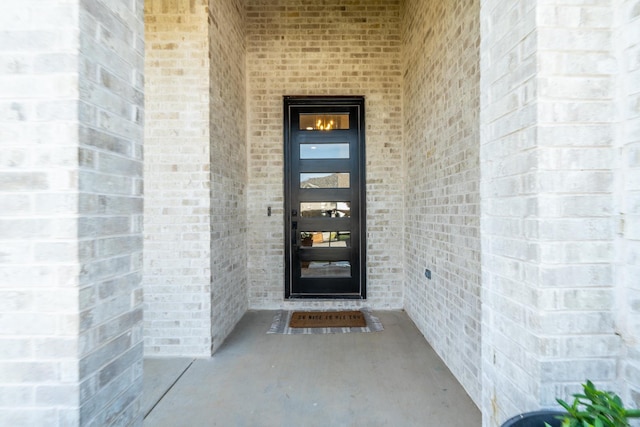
column 549, row 214
column 627, row 43
column 195, row 175
column 70, row 191
column 177, row 230
column 111, row 115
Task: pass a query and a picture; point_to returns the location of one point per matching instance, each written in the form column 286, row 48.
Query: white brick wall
column 510, row 260
column 195, row 176
column 39, row 266
column 177, row 226
column 551, row 187
column 627, row 42
column 335, row 47
column 556, row 133
column 572, row 96
column 70, row 130
column 441, row 152
column 111, row 114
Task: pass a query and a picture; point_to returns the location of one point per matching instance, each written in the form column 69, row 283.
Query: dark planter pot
column 535, row 419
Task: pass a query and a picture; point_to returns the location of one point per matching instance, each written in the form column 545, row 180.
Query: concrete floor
column 389, row 378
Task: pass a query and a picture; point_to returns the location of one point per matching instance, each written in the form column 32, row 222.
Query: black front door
column 324, row 197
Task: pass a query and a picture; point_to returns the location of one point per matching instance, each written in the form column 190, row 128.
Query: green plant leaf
column 596, row 408
column 564, row 404
column 632, row 413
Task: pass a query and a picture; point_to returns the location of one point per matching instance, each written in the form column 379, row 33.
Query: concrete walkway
column 389, row 378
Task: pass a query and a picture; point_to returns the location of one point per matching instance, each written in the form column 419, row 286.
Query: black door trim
column 334, row 289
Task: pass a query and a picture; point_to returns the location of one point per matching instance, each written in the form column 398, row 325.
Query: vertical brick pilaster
column 196, row 175
column 573, row 227
column 548, row 159
column 39, row 265
column 111, row 114
column 627, row 180
column 177, row 228
column 71, row 78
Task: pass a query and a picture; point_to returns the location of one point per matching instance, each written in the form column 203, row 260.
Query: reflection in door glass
column 324, row 180
column 324, row 151
column 326, row 239
column 325, row 209
column 326, row 269
column 324, row 121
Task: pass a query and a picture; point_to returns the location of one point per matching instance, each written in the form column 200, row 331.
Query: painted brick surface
column 196, row 176
column 549, row 156
column 441, row 163
column 39, row 265
column 334, row 47
column 552, row 191
column 177, row 208
column 111, row 115
column 511, row 323
column 70, row 173
column 627, row 42
column 229, row 173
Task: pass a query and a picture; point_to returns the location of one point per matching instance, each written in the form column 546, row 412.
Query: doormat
column 327, row 319
column 282, row 319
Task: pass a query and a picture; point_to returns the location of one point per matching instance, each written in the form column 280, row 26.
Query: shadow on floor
column 388, row 378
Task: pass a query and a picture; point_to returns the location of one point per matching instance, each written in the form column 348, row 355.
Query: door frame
column 325, row 101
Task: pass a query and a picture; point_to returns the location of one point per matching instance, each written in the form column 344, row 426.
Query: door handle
column 294, row 231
